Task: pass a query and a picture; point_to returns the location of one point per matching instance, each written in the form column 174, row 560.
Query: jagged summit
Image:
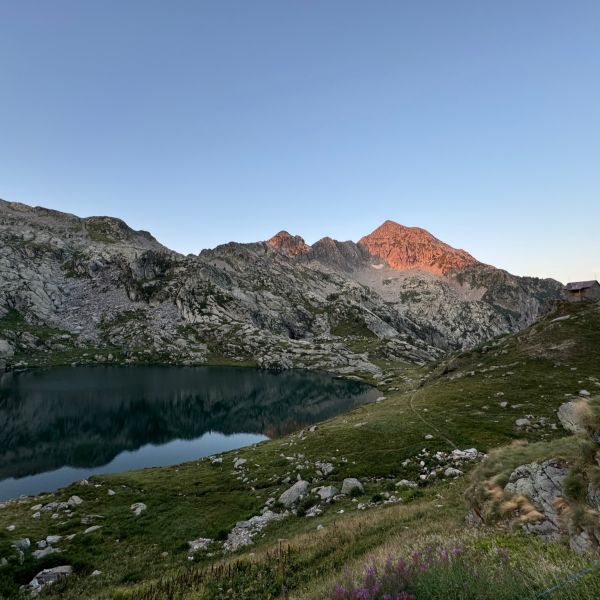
column 414, row 248
column 288, row 243
column 402, row 248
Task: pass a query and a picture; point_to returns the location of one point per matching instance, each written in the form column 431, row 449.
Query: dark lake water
column 63, row 424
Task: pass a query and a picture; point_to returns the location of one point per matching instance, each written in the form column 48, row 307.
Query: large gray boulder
column 351, row 484
column 293, row 494
column 573, row 414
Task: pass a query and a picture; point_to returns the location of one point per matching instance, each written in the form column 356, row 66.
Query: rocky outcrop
column 542, row 485
column 414, row 248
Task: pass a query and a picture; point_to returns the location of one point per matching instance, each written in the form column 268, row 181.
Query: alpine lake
column 63, row 424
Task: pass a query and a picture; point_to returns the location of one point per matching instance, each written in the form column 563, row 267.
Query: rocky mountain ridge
column 93, row 290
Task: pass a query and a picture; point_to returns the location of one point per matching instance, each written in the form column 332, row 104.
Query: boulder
column 48, row 577
column 572, row 415
column 522, row 422
column 350, row 484
column 326, row 492
column 293, row 494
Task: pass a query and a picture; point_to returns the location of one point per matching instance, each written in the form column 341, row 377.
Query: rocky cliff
column 92, row 290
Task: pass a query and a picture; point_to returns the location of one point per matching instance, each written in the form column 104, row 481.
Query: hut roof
column 580, row 285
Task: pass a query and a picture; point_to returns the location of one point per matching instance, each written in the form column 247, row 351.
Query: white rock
column 92, row 529
column 522, row 422
column 74, row 501
column 406, row 483
column 111, row 492
column 138, row 508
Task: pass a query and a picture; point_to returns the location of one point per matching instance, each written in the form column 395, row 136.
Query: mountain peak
column 414, row 248
column 289, row 244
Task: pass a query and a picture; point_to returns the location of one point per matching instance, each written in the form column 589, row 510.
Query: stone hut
column 579, row 291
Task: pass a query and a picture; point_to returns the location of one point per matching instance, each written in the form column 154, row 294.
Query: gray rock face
column 48, row 577
column 293, row 494
column 572, row 415
column 350, row 484
column 542, row 483
column 97, row 283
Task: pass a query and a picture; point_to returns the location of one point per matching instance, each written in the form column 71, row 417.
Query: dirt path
column 430, row 425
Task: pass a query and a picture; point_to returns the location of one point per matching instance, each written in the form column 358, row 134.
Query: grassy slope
column 456, row 402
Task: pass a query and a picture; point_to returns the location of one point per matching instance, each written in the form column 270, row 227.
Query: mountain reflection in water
column 62, row 424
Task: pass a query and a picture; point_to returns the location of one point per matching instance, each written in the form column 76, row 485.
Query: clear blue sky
column 206, row 122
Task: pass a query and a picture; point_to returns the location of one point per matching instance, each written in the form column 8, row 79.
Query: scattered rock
column 111, row 492
column 326, row 492
column 43, row 552
column 96, row 572
column 522, row 422
column 48, row 577
column 293, row 494
column 199, row 544
column 243, row 532
column 53, row 539
column 92, row 529
column 452, row 472
column 22, row 544
column 350, row 484
column 584, row 393
column 138, row 508
column 407, row 483
column 313, row 511
column 74, row 501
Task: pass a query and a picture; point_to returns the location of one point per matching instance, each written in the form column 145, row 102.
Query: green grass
column 455, row 401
